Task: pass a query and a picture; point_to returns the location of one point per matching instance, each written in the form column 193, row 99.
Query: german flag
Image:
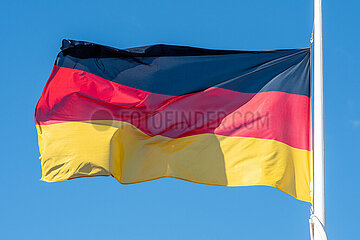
column 219, row 117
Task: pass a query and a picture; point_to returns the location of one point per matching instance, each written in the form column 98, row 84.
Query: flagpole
column 319, row 145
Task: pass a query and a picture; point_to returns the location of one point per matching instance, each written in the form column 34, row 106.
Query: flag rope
column 315, row 223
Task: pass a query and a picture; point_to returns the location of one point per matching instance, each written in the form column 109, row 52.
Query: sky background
column 101, row 208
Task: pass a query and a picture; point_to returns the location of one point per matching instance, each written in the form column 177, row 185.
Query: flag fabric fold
column 219, row 117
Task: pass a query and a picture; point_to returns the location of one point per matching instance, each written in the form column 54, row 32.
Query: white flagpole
column 319, row 146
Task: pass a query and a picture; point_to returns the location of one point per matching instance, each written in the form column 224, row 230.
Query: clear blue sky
column 101, row 208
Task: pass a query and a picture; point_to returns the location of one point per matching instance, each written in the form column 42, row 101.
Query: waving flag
column 229, row 118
